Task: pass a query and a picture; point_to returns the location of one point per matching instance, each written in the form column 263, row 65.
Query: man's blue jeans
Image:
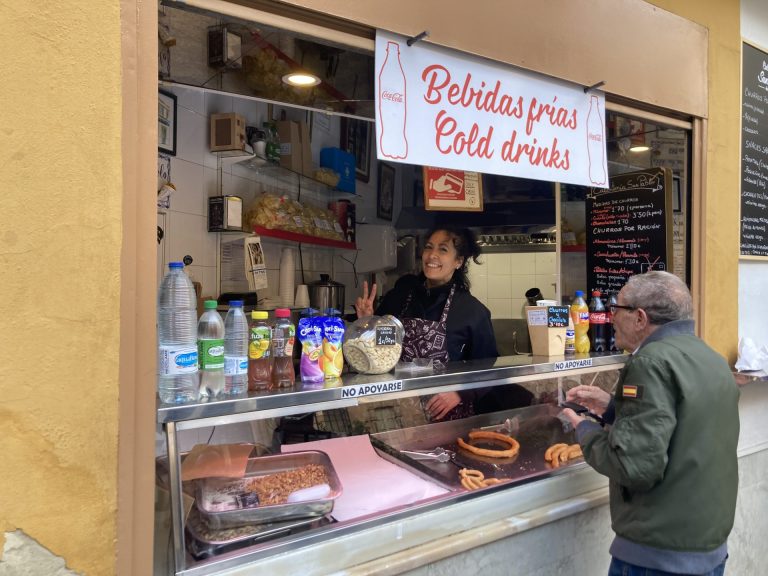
column 620, row 568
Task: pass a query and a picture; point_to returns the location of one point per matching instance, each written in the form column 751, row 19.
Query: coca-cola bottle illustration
column 393, row 142
column 596, row 142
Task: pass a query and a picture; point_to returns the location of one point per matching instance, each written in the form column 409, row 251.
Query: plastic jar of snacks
column 372, row 345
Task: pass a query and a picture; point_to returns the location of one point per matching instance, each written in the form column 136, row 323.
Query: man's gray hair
column 662, row 295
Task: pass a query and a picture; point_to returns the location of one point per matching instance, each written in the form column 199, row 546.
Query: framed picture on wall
column 166, row 123
column 356, row 139
column 386, row 191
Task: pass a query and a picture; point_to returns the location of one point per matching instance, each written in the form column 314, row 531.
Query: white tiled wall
column 500, row 283
column 195, row 174
column 501, row 280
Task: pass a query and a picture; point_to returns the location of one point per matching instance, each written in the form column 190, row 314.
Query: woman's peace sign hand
column 364, row 303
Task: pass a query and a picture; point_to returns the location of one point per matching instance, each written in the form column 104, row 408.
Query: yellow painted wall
column 60, row 249
column 719, row 270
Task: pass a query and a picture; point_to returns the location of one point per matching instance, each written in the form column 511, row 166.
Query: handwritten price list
column 627, row 231
column 754, row 153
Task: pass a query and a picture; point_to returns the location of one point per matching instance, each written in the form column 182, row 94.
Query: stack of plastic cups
column 287, row 277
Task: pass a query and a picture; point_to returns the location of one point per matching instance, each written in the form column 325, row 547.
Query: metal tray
column 203, row 542
column 262, row 514
column 535, row 427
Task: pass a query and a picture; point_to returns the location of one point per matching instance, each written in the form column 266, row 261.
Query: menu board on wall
column 754, row 152
column 629, row 228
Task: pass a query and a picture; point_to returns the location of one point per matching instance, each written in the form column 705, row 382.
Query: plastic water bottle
column 177, row 378
column 235, row 350
column 210, row 350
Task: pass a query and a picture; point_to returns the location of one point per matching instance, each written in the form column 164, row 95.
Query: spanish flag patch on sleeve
column 629, row 391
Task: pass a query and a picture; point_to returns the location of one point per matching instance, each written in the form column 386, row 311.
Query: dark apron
column 428, row 339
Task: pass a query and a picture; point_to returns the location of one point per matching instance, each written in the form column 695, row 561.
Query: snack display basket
column 247, row 512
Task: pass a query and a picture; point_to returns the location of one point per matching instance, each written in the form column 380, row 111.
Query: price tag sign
column 557, row 316
column 386, row 336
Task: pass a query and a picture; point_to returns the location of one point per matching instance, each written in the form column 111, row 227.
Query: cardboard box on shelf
column 227, row 132
column 546, row 328
column 295, row 152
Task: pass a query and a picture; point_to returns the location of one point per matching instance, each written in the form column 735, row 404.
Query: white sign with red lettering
column 439, row 107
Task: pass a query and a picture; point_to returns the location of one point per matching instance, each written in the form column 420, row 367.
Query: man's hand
column 572, row 417
column 594, row 399
column 364, row 303
column 440, row 404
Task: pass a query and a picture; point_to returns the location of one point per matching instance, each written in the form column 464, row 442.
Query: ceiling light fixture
column 639, row 148
column 301, row 79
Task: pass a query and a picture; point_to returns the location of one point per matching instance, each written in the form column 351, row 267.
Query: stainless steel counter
column 352, row 390
column 351, row 387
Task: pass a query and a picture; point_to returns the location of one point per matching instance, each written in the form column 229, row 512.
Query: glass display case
column 387, row 461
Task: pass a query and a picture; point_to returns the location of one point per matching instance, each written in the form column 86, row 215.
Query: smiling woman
column 442, row 320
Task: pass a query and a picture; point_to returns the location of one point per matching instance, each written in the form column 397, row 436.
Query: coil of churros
column 512, row 450
column 561, row 452
column 474, row 479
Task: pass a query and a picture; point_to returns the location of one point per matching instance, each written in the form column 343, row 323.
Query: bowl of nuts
column 372, row 344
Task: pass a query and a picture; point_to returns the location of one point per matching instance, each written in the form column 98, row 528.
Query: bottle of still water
column 177, row 377
column 210, row 350
column 235, row 350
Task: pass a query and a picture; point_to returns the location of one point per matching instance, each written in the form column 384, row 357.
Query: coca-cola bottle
column 393, row 142
column 599, row 328
column 596, row 142
column 612, row 299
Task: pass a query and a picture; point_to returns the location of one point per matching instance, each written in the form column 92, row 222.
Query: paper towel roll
column 287, row 277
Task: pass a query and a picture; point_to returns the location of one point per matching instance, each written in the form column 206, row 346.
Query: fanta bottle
column 580, row 315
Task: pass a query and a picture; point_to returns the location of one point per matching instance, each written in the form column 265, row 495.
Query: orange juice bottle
column 580, row 316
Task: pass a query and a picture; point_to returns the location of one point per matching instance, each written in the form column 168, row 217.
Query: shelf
column 576, row 248
column 259, row 165
column 303, row 238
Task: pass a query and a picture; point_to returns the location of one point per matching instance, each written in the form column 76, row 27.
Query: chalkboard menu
column 754, row 152
column 629, row 228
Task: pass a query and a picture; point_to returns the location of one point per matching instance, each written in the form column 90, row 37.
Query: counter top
column 350, row 388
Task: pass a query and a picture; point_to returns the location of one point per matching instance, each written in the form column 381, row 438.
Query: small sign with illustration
column 446, row 189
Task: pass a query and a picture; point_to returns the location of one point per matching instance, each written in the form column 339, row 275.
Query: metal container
column 325, row 293
column 203, row 542
column 535, row 427
column 218, row 517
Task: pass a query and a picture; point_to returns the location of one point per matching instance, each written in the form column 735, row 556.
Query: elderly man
column 668, row 445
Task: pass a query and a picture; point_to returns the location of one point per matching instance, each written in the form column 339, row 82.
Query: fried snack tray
column 534, row 427
column 246, row 512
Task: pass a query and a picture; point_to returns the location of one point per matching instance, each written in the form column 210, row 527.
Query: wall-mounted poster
column 754, row 152
column 446, row 189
